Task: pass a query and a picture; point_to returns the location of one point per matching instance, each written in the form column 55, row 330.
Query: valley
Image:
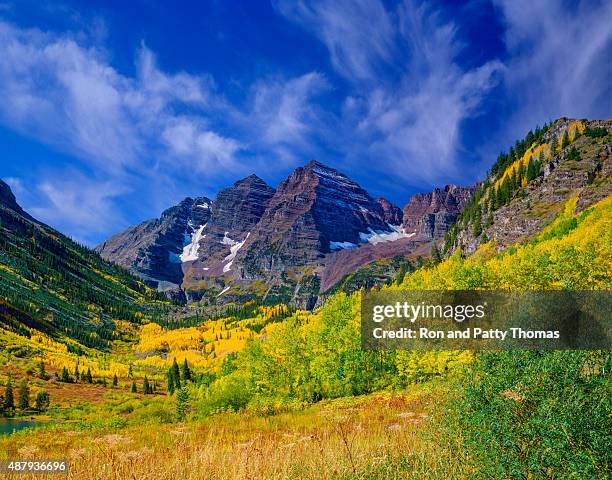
column 222, row 340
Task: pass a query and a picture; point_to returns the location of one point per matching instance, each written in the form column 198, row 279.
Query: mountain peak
column 8, row 200
column 250, row 180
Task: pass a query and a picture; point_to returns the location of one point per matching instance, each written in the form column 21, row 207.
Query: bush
column 538, row 415
column 229, row 393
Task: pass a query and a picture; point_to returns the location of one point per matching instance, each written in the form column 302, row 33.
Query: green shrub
column 539, row 415
column 229, row 393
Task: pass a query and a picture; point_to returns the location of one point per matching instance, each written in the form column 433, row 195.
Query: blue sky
column 112, row 111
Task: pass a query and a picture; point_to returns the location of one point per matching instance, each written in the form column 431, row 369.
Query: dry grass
column 382, row 436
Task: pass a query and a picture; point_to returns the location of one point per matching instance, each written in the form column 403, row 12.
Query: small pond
column 10, row 425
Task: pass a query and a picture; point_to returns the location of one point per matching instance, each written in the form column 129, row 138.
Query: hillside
column 50, row 284
column 527, row 187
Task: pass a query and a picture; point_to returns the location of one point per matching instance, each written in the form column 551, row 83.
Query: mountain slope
column 153, row 249
column 527, row 188
column 51, row 284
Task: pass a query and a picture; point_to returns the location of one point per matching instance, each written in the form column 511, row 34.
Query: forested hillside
column 51, row 284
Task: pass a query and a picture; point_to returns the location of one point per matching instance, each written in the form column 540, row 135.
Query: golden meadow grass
column 377, row 436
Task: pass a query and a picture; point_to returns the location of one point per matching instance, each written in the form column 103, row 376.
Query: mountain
column 51, row 284
column 153, row 249
column 314, row 211
column 430, row 215
column 528, row 187
column 253, row 233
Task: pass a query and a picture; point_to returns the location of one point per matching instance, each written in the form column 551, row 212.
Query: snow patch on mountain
column 341, row 245
column 223, row 291
column 378, row 236
column 190, row 251
column 234, row 247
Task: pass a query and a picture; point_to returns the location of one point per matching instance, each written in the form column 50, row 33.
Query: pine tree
column 574, row 154
column 42, row 401
column 24, row 395
column 399, row 278
column 182, row 402
column 170, row 380
column 65, row 376
column 565, row 141
column 41, row 370
column 477, row 222
column 435, row 254
column 145, row 386
column 134, row 387
column 176, row 374
column 88, row 377
column 115, row 380
column 554, row 144
column 9, row 401
column 185, row 371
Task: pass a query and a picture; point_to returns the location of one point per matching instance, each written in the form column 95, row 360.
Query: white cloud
column 68, row 96
column 78, row 204
column 283, row 111
column 412, row 126
column 358, row 33
column 559, row 60
column 190, row 141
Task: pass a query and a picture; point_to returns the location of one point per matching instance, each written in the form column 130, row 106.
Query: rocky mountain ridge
column 571, row 158
column 317, row 224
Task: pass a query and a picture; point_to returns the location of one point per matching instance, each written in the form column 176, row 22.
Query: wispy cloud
column 153, row 124
column 78, row 204
column 285, row 114
column 409, row 120
column 359, row 34
column 559, row 59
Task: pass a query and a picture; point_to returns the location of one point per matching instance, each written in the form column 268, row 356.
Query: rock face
column 545, row 197
column 314, row 211
column 392, row 214
column 154, row 248
column 430, row 215
column 236, row 211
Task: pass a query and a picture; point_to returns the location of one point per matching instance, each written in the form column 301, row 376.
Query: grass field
column 382, row 436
